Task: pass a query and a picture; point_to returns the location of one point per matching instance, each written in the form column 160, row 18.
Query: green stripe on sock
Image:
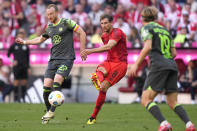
column 54, row 86
column 176, row 106
column 46, row 90
column 151, row 105
column 149, row 88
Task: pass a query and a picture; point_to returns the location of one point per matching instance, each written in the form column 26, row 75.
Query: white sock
column 193, row 102
column 165, row 122
column 163, row 98
column 188, row 124
column 138, row 99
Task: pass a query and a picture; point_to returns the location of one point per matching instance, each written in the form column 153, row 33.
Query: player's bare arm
column 34, row 41
column 106, row 47
column 173, row 52
column 147, row 48
column 82, row 36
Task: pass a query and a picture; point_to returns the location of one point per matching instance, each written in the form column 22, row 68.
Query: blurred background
column 28, row 17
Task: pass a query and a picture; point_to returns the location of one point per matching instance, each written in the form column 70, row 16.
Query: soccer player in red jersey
column 114, row 68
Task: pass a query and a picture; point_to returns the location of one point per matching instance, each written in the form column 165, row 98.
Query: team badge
column 24, row 47
column 60, row 29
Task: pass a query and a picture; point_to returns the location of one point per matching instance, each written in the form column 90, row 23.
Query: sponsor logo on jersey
column 56, row 39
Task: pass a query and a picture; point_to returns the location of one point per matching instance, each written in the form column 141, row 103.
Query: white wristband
column 25, row 42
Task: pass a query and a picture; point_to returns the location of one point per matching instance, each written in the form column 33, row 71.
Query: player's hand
column 133, row 70
column 20, row 41
column 83, row 55
column 87, row 51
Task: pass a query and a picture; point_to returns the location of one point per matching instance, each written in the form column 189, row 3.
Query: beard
column 55, row 19
column 106, row 30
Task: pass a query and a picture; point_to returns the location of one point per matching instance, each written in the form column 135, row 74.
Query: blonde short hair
column 149, row 14
column 52, row 6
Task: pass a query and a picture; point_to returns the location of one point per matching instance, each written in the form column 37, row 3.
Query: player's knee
column 59, row 78
column 48, row 82
column 104, row 89
column 143, row 102
column 171, row 104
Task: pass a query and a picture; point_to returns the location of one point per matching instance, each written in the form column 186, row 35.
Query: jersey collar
column 152, row 22
column 57, row 22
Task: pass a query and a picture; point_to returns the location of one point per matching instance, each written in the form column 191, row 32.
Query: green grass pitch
column 73, row 117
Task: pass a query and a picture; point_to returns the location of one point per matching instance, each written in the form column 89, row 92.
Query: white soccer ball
column 56, row 98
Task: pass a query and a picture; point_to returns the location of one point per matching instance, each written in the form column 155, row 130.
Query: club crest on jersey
column 60, row 29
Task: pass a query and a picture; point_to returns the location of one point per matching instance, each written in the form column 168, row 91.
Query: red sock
column 99, row 102
column 100, row 76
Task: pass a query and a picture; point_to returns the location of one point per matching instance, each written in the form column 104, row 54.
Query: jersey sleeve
column 46, row 33
column 10, row 50
column 116, row 35
column 172, row 43
column 72, row 25
column 146, row 34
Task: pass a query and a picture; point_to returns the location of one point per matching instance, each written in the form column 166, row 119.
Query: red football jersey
column 118, row 53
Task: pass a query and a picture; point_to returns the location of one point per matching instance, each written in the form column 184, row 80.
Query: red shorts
column 115, row 71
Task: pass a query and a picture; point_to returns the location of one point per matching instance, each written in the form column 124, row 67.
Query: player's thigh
column 24, row 82
column 171, row 99
column 116, row 73
column 104, row 67
column 51, row 69
column 16, row 82
column 156, row 81
column 171, row 83
column 59, row 78
column 64, row 67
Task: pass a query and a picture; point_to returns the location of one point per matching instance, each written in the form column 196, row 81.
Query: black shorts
column 62, row 67
column 162, row 80
column 20, row 72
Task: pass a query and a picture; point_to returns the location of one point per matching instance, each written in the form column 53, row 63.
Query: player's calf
column 46, row 92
